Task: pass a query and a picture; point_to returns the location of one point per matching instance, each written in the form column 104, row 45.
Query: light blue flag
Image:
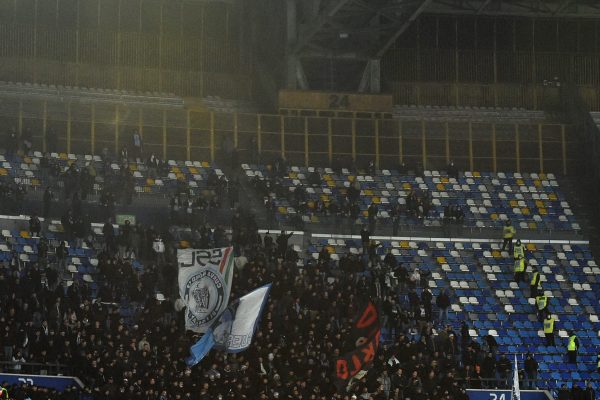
column 235, row 327
column 516, row 392
column 199, row 350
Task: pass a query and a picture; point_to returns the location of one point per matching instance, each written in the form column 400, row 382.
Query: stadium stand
column 164, row 177
column 432, row 95
column 119, row 292
column 487, row 114
column 89, row 95
column 532, row 201
column 479, row 278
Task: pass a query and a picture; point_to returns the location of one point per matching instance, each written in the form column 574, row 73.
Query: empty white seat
column 563, row 334
column 546, row 270
column 573, row 302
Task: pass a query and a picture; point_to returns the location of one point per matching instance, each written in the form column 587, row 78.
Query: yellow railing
column 304, row 140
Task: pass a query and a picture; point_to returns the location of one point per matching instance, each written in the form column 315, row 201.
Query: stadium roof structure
column 352, row 35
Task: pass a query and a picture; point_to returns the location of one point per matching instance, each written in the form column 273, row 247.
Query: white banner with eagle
column 205, row 278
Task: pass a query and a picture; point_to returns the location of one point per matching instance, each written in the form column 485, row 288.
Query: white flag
column 235, row 328
column 516, row 392
column 205, row 278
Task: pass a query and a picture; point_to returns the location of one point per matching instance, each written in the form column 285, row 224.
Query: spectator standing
column 108, row 231
column 47, row 200
column 137, row 145
column 590, row 393
column 152, row 164
column 35, row 225
column 125, row 239
column 443, row 303
column 159, row 250
column 17, row 360
column 27, row 141
column 504, row 369
column 508, row 232
column 12, row 142
column 365, row 238
column 372, row 215
column 282, row 243
column 563, row 393
column 549, row 329
column 531, row 371
column 452, row 170
column 577, row 393
column 426, row 299
column 61, row 255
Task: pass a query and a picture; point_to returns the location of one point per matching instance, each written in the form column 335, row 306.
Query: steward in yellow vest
column 520, row 270
column 549, row 330
column 572, row 347
column 508, row 232
column 542, row 307
column 535, row 285
column 518, row 250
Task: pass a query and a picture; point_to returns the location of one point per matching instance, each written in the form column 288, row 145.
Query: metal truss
column 352, row 30
column 335, row 31
column 519, row 8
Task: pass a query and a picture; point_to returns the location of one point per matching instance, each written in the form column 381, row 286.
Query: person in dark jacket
column 531, row 370
column 443, row 303
column 426, row 298
column 282, row 243
column 590, row 393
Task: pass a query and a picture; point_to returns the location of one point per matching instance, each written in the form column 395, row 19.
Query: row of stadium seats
column 531, row 201
column 27, row 171
column 479, row 278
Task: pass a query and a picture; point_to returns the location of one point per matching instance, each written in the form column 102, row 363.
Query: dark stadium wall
column 189, row 48
column 467, row 60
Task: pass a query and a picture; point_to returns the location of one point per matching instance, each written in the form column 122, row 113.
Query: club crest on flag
column 205, row 278
column 204, row 294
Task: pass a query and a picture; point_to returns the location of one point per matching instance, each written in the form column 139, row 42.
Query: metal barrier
column 34, row 368
column 302, row 140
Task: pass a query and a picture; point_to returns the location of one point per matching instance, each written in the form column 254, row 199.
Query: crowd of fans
column 304, row 328
column 126, row 339
column 344, row 204
column 142, row 356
